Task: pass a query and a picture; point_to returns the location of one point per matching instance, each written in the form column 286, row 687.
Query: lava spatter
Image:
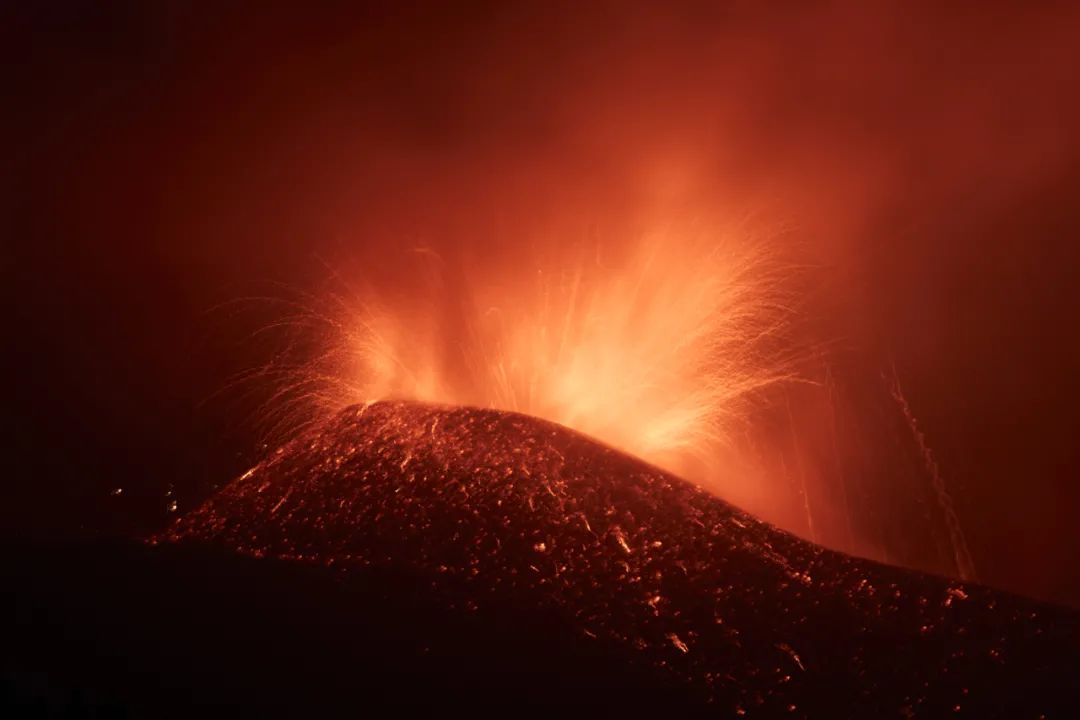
column 502, row 508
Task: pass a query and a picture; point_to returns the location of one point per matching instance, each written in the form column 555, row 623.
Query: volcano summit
column 499, row 510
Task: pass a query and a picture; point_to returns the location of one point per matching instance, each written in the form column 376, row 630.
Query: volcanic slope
column 496, row 509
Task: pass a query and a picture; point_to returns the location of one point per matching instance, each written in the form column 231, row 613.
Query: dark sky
column 169, row 160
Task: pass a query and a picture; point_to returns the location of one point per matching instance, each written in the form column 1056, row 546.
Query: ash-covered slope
column 496, row 510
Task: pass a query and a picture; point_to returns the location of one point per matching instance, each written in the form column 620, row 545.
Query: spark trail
column 961, row 556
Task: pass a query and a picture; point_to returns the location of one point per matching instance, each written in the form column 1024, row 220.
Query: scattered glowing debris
column 677, row 642
column 619, row 540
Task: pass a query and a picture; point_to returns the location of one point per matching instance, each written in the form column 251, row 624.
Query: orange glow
column 693, row 344
column 662, row 347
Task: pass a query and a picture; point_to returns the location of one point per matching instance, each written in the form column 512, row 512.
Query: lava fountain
column 663, row 348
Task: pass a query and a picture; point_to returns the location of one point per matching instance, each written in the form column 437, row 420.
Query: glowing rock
column 501, row 509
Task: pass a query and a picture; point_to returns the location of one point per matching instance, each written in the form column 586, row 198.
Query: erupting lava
column 671, row 348
column 662, row 349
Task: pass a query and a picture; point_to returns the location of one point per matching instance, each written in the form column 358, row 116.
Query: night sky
column 165, row 161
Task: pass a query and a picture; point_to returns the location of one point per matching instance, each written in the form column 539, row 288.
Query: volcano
column 493, row 513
